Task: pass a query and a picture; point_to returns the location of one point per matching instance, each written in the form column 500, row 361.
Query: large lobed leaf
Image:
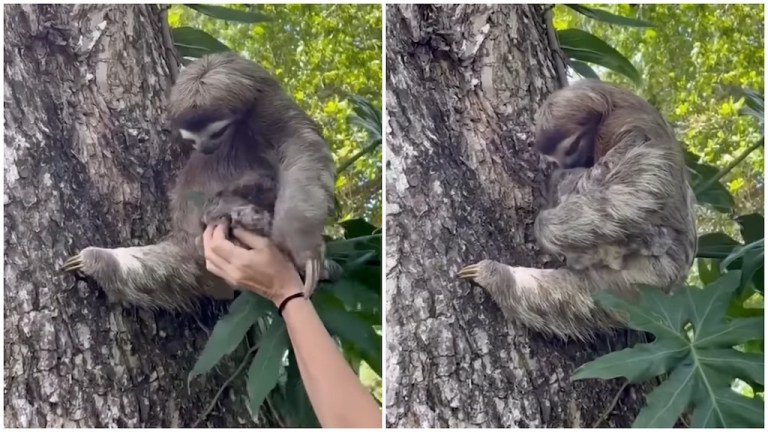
column 694, row 344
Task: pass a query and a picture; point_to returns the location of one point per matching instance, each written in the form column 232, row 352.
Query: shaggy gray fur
column 269, row 171
column 627, row 219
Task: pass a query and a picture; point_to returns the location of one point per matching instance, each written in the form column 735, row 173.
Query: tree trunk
column 463, row 84
column 88, row 161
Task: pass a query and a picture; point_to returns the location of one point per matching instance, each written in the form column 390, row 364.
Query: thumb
column 253, row 241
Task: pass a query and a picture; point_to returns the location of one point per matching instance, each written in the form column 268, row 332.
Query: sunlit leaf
column 192, row 42
column 580, row 45
column 601, row 15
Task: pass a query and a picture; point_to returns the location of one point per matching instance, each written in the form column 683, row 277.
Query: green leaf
column 580, row 45
column 715, row 195
column 752, row 258
column 752, row 227
column 746, row 366
column 604, row 16
column 709, row 269
column 693, row 342
column 191, row 42
column 353, row 330
column 753, row 248
column 584, row 70
column 716, row 245
column 264, row 372
column 298, row 405
column 355, row 296
column 354, row 228
column 662, row 319
column 353, row 245
column 229, row 331
column 706, row 307
column 728, row 409
column 667, row 402
column 228, row 14
column 733, row 333
column 637, row 364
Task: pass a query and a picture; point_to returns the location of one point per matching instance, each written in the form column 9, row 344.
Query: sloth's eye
column 218, row 134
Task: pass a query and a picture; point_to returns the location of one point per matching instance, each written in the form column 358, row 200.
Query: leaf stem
column 608, row 410
column 357, row 156
column 234, row 375
column 722, row 173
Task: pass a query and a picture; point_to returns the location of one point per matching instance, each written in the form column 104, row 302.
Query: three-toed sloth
column 622, row 212
column 261, row 164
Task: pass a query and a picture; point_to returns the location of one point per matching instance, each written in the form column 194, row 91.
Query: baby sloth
column 260, row 163
column 621, row 212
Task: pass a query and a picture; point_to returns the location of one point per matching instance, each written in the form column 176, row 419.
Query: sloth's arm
column 305, row 194
column 622, row 203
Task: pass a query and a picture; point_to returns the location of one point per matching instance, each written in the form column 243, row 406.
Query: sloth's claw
column 471, row 271
column 73, row 263
column 311, row 275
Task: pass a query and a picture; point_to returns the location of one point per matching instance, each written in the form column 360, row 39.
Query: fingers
column 216, row 243
column 254, row 241
column 215, row 269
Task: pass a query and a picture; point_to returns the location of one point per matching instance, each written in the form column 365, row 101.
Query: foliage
column 325, row 56
column 709, row 342
column 693, row 344
column 329, row 57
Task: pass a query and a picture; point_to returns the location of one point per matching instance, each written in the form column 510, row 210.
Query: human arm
column 336, row 394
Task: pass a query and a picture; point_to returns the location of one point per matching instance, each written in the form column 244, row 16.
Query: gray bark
column 463, row 184
column 88, row 162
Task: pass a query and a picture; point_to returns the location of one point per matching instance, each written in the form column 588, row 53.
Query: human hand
column 262, row 269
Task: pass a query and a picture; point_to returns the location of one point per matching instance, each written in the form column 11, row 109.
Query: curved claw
column 469, row 272
column 72, row 264
column 311, row 275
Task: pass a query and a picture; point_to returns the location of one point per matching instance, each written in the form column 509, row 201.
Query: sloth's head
column 214, row 96
column 568, row 122
column 577, row 125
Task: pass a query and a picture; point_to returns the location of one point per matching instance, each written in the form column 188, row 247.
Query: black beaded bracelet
column 286, row 300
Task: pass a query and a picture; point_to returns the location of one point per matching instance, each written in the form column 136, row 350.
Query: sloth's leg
column 559, row 301
column 169, row 275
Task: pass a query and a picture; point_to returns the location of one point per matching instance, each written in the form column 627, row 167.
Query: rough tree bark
column 88, row 162
column 463, row 84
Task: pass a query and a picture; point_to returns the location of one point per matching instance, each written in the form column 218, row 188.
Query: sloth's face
column 576, row 151
column 568, row 151
column 211, row 136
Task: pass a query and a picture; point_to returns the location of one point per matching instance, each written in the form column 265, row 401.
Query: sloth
column 621, row 213
column 259, row 162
